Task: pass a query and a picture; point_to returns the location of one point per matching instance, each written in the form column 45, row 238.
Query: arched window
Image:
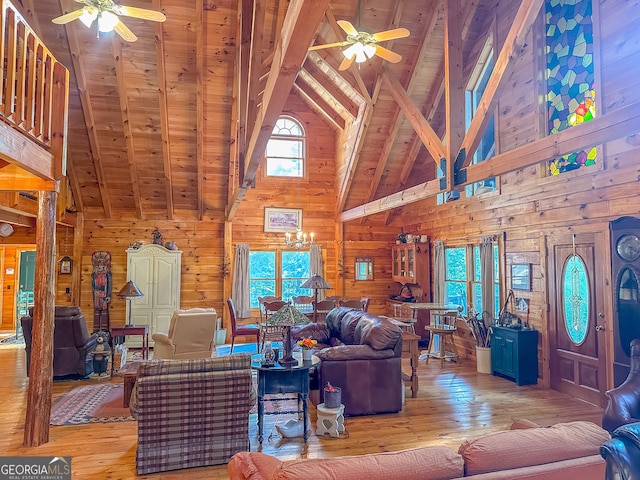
column 286, row 149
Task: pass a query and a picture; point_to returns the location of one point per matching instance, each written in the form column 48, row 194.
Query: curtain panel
column 240, row 290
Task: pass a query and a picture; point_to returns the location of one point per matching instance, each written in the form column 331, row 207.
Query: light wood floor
column 453, row 404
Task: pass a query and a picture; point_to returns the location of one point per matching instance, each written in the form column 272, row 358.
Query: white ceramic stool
column 330, row 420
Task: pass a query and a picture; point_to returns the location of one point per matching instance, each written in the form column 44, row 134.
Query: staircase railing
column 35, row 86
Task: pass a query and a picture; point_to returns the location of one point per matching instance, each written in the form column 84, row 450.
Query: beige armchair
column 190, row 335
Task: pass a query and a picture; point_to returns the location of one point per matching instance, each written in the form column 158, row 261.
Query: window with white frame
column 286, row 149
column 279, row 273
column 475, row 89
column 463, row 277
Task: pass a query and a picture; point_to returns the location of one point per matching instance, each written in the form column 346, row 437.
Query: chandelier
column 298, row 239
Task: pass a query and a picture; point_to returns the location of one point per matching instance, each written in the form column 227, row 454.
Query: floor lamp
column 128, row 292
column 316, row 282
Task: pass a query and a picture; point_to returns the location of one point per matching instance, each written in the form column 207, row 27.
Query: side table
column 330, row 420
column 410, row 351
column 142, row 330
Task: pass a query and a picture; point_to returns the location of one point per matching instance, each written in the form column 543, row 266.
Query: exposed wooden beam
column 25, row 153
column 76, row 279
column 327, row 99
column 514, row 43
column 301, row 22
column 87, row 109
column 332, row 83
column 116, row 50
column 17, row 219
column 454, row 87
column 200, row 122
column 355, row 149
column 14, row 178
column 245, row 11
column 318, row 105
column 255, row 62
column 616, row 124
column 38, row 404
column 429, row 138
column 165, row 134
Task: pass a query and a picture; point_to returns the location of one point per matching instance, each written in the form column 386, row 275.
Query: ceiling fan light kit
column 106, row 12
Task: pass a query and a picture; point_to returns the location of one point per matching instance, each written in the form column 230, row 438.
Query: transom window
column 279, row 273
column 286, row 149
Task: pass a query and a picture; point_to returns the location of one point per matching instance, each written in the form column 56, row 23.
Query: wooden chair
column 357, row 304
column 262, row 300
column 334, row 298
column 268, row 331
column 322, row 308
column 441, row 338
column 251, row 330
column 304, row 303
column 365, row 303
column 404, row 314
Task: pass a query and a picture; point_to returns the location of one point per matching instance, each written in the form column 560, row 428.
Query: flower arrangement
column 307, row 343
column 329, row 388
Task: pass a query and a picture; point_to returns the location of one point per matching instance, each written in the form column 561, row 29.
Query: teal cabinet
column 514, row 354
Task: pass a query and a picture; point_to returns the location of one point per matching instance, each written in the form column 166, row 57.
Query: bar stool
column 442, row 333
column 403, row 314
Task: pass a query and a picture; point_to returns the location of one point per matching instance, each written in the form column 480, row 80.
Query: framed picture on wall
column 282, row 219
column 65, row 265
column 521, row 276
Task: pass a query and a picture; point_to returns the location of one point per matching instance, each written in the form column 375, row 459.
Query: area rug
column 13, row 340
column 90, row 404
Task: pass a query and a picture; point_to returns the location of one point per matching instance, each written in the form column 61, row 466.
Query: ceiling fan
column 363, row 45
column 106, row 12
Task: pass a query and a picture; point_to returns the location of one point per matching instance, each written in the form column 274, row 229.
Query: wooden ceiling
column 161, row 128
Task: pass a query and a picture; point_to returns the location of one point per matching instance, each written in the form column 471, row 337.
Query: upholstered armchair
column 623, row 402
column 622, row 453
column 72, row 343
column 362, row 354
column 191, row 413
column 190, row 335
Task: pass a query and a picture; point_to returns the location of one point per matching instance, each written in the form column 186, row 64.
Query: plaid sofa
column 191, row 413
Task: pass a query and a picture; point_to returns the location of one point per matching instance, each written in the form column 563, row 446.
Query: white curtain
column 487, row 280
column 315, row 265
column 439, row 272
column 240, row 286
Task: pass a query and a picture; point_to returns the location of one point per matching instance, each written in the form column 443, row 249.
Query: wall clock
column 628, row 247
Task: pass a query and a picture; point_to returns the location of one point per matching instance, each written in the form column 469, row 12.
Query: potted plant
column 307, row 345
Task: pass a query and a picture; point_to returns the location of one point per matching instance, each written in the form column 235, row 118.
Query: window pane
column 456, row 263
column 456, row 292
column 295, row 271
column 477, row 297
column 261, row 288
column 575, row 298
column 477, row 265
column 262, row 275
column 284, row 148
column 284, row 167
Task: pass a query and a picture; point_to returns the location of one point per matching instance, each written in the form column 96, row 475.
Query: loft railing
column 35, row 86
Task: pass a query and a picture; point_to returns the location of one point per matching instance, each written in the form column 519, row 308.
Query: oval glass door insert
column 575, row 299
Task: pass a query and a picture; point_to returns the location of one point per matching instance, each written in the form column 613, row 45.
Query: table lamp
column 287, row 317
column 129, row 291
column 316, row 282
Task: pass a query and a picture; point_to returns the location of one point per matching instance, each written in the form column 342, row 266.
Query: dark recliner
column 623, row 402
column 622, row 453
column 362, row 354
column 72, row 343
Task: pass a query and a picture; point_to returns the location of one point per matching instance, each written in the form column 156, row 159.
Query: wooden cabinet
column 156, row 271
column 411, row 264
column 514, row 354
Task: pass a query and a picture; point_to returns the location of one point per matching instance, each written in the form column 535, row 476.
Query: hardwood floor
column 454, row 403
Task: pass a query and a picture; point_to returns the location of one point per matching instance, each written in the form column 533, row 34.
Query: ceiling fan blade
column 68, row 17
column 346, row 63
column 388, row 54
column 126, row 34
column 328, row 45
column 139, row 13
column 391, row 34
column 347, row 27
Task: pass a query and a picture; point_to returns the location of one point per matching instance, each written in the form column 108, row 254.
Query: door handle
column 599, row 328
column 601, row 315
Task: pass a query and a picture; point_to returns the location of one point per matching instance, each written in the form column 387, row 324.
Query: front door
column 576, row 321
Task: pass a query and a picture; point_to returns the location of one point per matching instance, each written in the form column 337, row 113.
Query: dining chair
column 322, row 308
column 250, row 330
column 262, row 300
column 357, row 304
column 404, row 314
column 304, row 303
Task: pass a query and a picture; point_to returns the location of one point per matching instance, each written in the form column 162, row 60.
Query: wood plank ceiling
column 175, row 124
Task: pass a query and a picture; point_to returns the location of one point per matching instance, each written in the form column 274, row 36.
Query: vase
column 306, row 354
column 332, row 398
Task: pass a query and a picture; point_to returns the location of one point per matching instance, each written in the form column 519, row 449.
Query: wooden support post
column 36, row 424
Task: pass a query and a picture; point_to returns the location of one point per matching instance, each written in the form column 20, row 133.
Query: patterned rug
column 13, row 340
column 90, row 404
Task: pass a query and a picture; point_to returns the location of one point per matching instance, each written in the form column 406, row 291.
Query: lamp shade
column 130, row 290
column 316, row 282
column 288, row 315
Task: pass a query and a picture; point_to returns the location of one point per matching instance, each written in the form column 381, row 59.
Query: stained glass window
column 575, row 297
column 570, row 79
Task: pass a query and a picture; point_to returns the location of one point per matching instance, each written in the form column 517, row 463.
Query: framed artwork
column 282, row 219
column 364, row 268
column 521, row 276
column 65, row 265
column 522, row 305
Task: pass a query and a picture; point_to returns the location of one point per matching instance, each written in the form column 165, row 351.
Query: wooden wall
column 531, row 205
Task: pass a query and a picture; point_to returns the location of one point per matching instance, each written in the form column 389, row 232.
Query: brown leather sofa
column 623, row 402
column 360, row 353
column 71, row 342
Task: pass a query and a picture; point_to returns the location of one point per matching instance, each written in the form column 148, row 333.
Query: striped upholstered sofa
column 191, row 413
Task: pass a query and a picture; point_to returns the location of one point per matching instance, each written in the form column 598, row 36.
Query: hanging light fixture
column 298, row 239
